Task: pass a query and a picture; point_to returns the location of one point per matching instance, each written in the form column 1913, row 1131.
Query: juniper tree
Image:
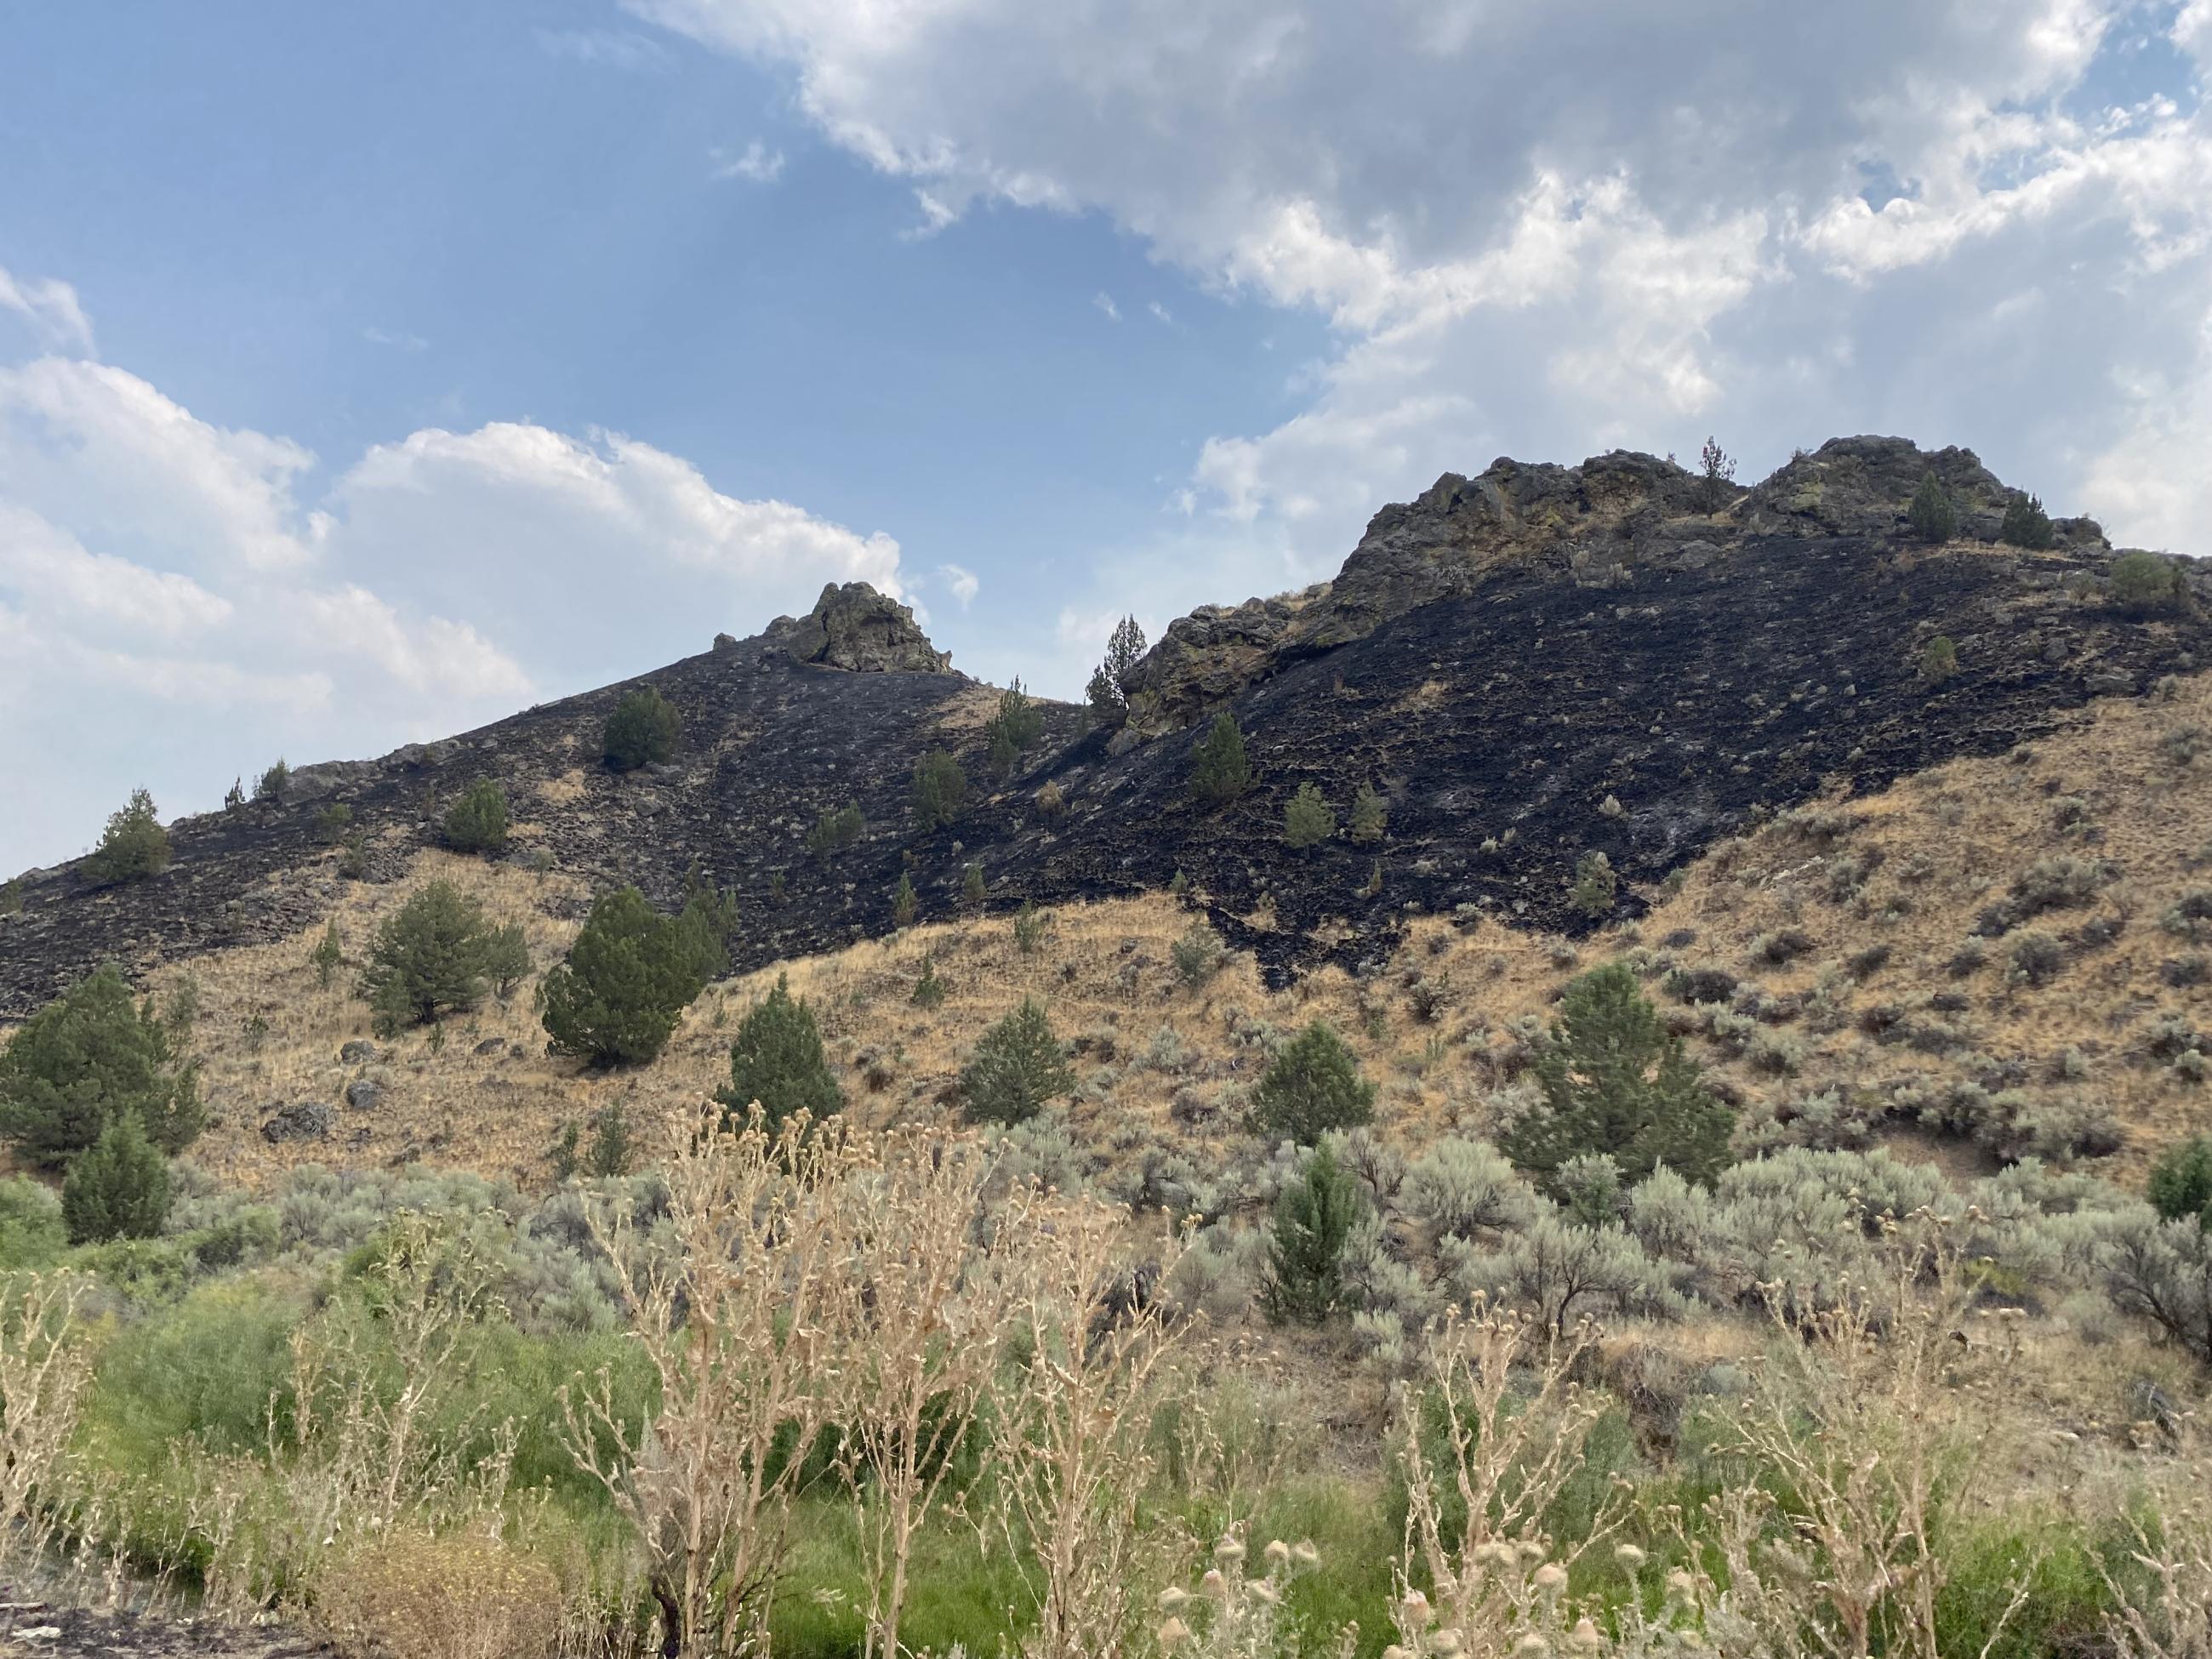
column 269, row 785
column 235, row 797
column 2025, row 523
column 1107, row 693
column 1017, row 1067
column 328, row 956
column 1307, row 819
column 1932, row 516
column 904, row 903
column 703, row 927
column 1313, row 1086
column 641, row 731
column 940, row 789
column 1371, row 817
column 133, row 846
column 834, row 831
column 118, row 1188
column 1716, row 471
column 777, row 1060
column 86, row 1058
column 434, row 954
column 1220, row 770
column 477, row 822
column 1316, row 1216
column 2180, row 1183
column 617, row 998
column 1615, row 1080
column 972, row 887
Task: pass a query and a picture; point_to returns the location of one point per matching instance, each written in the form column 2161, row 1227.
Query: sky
column 369, row 373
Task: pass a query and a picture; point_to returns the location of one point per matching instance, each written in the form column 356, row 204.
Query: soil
column 34, row 1629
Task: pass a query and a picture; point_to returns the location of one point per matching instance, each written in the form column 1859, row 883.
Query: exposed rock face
column 1595, row 525
column 856, row 629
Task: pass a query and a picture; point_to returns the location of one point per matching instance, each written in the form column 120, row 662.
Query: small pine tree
column 269, row 785
column 1313, row 1086
column 1015, row 1068
column 1014, row 729
column 1939, row 660
column 334, row 823
column 834, row 831
column 1197, row 955
column 2143, row 583
column 940, row 789
column 972, row 887
column 1030, row 924
column 641, row 731
column 2025, row 523
column 353, row 857
column 704, row 927
column 617, row 1000
column 1314, row 1218
column 477, row 821
column 435, row 953
column 904, row 905
column 86, row 1058
column 1716, row 471
column 506, row 959
column 1595, row 885
column 1370, row 816
column 1615, row 1080
column 610, row 1151
column 1107, row 693
column 565, row 1154
column 1308, row 820
column 235, row 797
column 2180, row 1183
column 777, row 1060
column 929, row 989
column 1220, row 770
column 328, row 956
column 118, row 1188
column 133, row 846
column 1932, row 516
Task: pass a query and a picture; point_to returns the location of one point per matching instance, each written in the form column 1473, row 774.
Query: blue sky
column 365, row 372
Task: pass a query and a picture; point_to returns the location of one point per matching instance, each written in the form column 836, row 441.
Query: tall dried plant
column 45, row 1368
column 2166, row 1612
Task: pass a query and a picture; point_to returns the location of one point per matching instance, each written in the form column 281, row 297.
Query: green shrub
column 617, row 999
column 1939, row 660
column 1314, row 1218
column 1107, row 693
column 1030, row 926
column 641, row 731
column 31, row 1231
column 2180, row 1182
column 328, row 956
column 133, row 846
column 1615, row 1080
column 972, row 887
column 704, row 927
column 269, row 785
column 1595, row 885
column 118, row 1188
column 1015, row 1068
column 2025, row 523
column 477, row 822
column 1308, row 820
column 1220, row 770
column 2144, row 583
column 1371, row 817
column 436, row 953
column 1196, row 956
column 834, row 831
column 1932, row 516
column 940, row 789
column 1312, row 1086
column 506, row 959
column 904, row 903
column 333, row 824
column 777, row 1059
column 928, row 988
column 1013, row 730
column 610, row 1151
column 86, row 1058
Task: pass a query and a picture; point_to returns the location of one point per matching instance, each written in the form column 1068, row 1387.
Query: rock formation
column 856, row 629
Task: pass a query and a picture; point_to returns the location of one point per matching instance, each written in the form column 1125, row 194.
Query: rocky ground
column 31, row 1628
column 1533, row 664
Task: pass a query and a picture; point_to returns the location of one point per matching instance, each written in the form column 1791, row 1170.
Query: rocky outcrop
column 856, row 629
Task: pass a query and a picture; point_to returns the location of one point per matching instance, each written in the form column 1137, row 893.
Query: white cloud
column 757, row 163
column 398, row 339
column 51, row 307
column 1160, row 313
column 961, row 582
column 619, row 49
column 1104, row 301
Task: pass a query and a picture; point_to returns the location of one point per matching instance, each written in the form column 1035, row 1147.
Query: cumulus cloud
column 961, row 582
column 50, row 307
column 1549, row 230
column 178, row 604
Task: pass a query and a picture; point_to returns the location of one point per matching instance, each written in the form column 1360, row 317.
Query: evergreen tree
column 507, row 958
column 1595, row 885
column 904, row 903
column 328, row 956
column 2144, row 583
column 929, row 989
column 235, row 797
column 836, row 830
column 89, row 1057
column 777, row 1060
column 1716, row 471
column 1939, row 660
column 477, row 822
column 1220, row 770
column 1316, row 1216
column 704, row 926
column 641, row 731
column 1371, row 817
column 1030, row 927
column 269, row 785
column 972, row 887
column 1013, row 730
column 1107, row 693
column 617, row 1000
column 1313, row 1086
column 2180, row 1182
column 133, row 846
column 2025, row 523
column 1308, row 820
column 1932, row 516
column 433, row 954
column 940, row 789
column 610, row 1151
column 118, row 1188
column 1015, row 1068
column 1616, row 1081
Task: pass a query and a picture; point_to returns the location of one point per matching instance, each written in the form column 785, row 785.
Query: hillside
column 1501, row 659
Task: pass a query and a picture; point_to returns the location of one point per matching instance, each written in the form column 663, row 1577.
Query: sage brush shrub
column 133, row 846
column 1220, row 770
column 617, row 998
column 476, row 822
column 434, row 954
column 118, row 1188
column 1017, row 1068
column 89, row 1057
column 641, row 731
column 777, row 1060
column 1312, row 1085
column 1615, row 1080
column 1314, row 1218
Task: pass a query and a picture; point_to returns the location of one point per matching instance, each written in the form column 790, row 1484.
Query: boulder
column 364, row 1095
column 359, row 1052
column 306, row 1120
column 855, row 628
